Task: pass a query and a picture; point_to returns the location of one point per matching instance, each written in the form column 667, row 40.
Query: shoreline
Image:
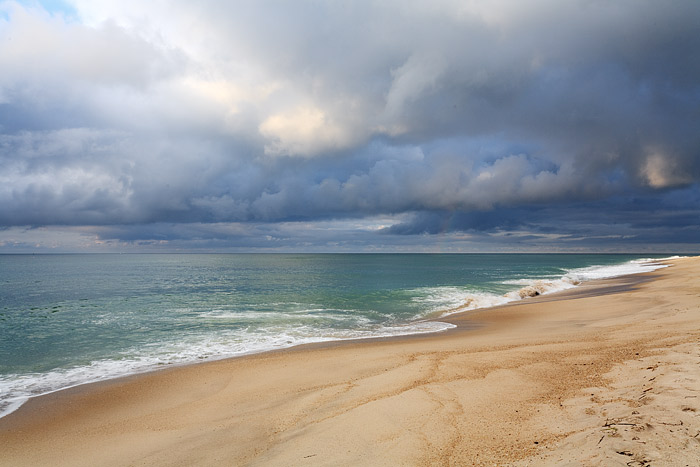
column 307, row 389
column 444, row 317
column 548, row 287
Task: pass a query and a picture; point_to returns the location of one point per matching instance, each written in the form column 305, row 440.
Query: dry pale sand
column 608, row 374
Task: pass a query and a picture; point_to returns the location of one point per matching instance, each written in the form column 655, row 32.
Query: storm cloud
column 250, row 124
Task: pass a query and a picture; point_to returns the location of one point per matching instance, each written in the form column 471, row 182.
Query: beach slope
column 605, row 374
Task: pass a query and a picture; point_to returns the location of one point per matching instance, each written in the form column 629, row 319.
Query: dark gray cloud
column 562, row 120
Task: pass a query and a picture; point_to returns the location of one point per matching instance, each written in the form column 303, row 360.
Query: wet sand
column 605, row 374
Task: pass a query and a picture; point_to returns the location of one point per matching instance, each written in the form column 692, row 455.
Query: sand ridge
column 551, row 381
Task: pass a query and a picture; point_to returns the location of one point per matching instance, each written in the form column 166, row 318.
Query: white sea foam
column 16, row 389
column 449, row 300
column 278, row 316
column 616, row 270
column 442, row 301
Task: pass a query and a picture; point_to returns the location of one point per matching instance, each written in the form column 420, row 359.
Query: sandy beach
column 604, row 374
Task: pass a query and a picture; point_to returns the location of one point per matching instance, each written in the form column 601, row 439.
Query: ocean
column 67, row 320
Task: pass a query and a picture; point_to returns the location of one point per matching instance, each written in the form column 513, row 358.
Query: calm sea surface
column 72, row 319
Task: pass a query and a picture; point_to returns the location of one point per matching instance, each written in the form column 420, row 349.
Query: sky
column 350, row 126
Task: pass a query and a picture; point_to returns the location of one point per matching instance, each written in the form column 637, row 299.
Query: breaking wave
column 451, row 300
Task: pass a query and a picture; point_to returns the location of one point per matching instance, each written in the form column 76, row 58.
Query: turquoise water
column 71, row 319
